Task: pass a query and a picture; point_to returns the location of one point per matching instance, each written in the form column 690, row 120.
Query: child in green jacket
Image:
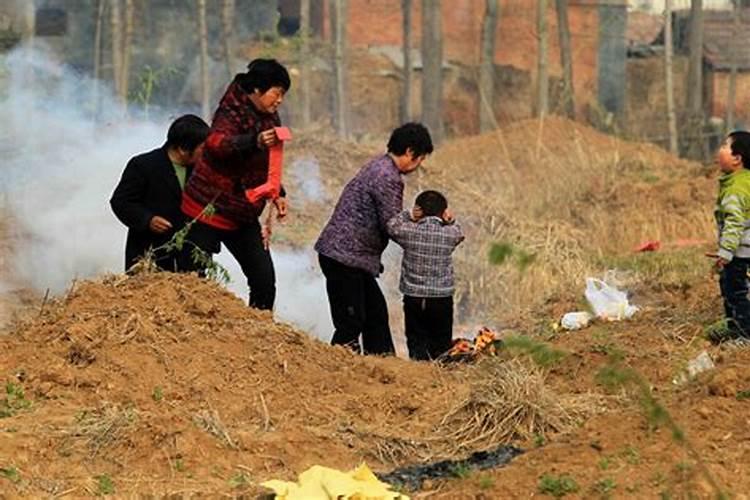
column 733, row 221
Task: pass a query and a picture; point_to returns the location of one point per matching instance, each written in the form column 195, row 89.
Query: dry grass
column 209, row 421
column 102, row 428
column 509, row 401
column 561, row 195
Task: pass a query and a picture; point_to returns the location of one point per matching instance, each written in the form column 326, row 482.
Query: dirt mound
column 162, row 382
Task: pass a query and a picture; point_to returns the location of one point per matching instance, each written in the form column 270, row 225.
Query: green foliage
column 239, row 480
column 486, row 482
column 179, row 465
column 631, row 455
column 461, row 471
column 604, row 463
column 557, row 486
column 742, row 395
column 149, row 80
column 605, row 486
column 542, row 354
column 104, row 485
column 158, row 394
column 501, row 252
column 538, row 440
column 212, row 269
column 614, row 375
column 14, row 400
column 11, row 474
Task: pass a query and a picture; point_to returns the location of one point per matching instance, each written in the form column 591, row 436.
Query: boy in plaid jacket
column 428, row 234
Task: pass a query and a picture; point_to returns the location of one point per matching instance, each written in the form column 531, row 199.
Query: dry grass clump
column 102, row 428
column 509, row 401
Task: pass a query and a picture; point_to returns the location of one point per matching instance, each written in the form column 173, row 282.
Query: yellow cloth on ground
column 323, row 483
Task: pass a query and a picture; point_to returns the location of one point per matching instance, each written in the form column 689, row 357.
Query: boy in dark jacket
column 147, row 199
column 428, row 234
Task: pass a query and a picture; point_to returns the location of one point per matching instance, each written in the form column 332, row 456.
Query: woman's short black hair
column 410, row 135
column 187, row 132
column 262, row 74
column 432, row 203
column 741, row 146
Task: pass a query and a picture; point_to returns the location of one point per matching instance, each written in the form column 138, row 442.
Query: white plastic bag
column 608, row 302
column 575, row 320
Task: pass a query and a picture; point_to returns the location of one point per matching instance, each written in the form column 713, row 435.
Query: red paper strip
column 272, row 187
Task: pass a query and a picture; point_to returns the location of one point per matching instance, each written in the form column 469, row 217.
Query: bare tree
column 733, row 49
column 304, row 33
column 405, row 105
column 695, row 146
column 432, row 68
column 98, row 53
column 340, row 100
column 668, row 77
column 487, row 68
column 227, row 34
column 566, row 58
column 116, row 34
column 205, row 82
column 542, row 77
column 126, row 51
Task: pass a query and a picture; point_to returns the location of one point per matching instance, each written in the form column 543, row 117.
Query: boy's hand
column 719, row 264
column 448, row 217
column 416, row 213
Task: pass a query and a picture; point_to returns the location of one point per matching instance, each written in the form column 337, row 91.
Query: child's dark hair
column 432, row 203
column 410, row 135
column 187, row 132
column 262, row 74
column 741, row 146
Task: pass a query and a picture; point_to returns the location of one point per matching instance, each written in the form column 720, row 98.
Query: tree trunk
column 487, row 69
column 404, row 113
column 566, row 58
column 338, row 28
column 432, row 68
column 733, row 49
column 116, row 34
column 304, row 33
column 695, row 147
column 668, row 77
column 205, row 82
column 542, row 78
column 126, row 51
column 97, row 54
column 227, row 34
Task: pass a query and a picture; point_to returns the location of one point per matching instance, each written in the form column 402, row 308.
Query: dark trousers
column 734, row 290
column 246, row 246
column 358, row 307
column 428, row 323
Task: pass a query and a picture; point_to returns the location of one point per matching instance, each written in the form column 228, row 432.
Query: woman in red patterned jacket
column 234, row 159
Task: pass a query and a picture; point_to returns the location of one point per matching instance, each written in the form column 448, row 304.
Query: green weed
column 11, row 474
column 605, row 486
column 557, row 486
column 542, row 354
column 461, row 471
column 239, row 480
column 158, row 394
column 104, row 485
column 486, row 482
column 14, row 400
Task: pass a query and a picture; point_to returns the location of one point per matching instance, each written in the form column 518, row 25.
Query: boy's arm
column 453, row 229
column 734, row 225
column 398, row 226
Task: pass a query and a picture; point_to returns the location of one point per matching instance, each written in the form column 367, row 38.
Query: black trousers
column 358, row 307
column 428, row 324
column 246, row 246
column 734, row 289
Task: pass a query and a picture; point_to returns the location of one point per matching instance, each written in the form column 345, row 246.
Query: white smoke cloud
column 60, row 167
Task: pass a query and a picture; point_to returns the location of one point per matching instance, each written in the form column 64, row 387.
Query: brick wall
column 378, row 22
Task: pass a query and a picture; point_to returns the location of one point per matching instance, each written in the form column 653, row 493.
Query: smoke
column 60, row 167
